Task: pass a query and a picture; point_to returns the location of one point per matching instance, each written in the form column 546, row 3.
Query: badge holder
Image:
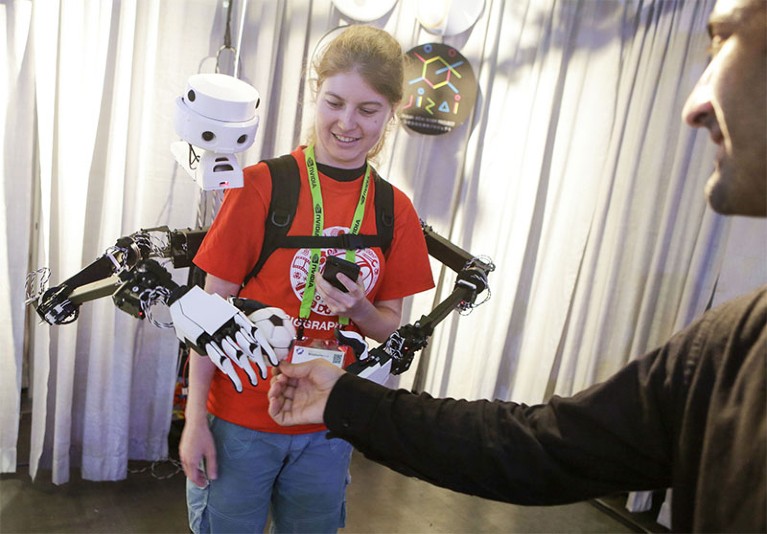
column 306, row 349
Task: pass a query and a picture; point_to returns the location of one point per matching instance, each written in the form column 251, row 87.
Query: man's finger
column 295, row 370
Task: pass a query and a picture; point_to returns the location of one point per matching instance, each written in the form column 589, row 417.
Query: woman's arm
column 196, row 443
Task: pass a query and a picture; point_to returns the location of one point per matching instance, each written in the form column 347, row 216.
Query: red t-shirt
column 232, row 246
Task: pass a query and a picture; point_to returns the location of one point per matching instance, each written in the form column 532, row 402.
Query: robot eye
column 191, row 96
column 208, row 136
column 258, row 103
column 242, row 139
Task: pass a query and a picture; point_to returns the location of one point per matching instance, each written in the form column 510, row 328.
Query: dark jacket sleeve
column 610, row 437
column 690, row 415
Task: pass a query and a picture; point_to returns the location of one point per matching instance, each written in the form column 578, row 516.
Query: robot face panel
column 213, row 135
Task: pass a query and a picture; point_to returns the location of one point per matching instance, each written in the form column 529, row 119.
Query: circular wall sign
column 364, row 10
column 440, row 89
column 449, row 17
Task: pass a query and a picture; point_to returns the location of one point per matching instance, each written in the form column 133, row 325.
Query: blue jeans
column 303, row 477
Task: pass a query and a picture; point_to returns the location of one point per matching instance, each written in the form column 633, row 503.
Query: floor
column 151, row 499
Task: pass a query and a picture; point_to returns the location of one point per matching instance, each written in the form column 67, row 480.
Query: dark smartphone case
column 335, row 265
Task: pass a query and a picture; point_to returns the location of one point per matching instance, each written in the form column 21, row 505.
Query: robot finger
column 230, row 349
column 237, row 355
column 247, row 328
column 355, row 341
column 266, row 348
column 246, row 342
column 223, row 362
column 252, row 353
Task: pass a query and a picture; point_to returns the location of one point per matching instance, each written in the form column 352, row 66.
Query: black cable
column 228, row 32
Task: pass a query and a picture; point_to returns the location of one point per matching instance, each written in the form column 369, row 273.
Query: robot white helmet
column 217, row 114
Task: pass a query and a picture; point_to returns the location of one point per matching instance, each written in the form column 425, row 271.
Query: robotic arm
column 225, row 330
column 216, row 114
column 396, row 353
column 126, row 271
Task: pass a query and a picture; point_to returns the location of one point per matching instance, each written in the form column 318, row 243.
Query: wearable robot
column 227, row 330
column 217, row 114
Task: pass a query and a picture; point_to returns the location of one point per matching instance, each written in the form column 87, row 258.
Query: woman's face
column 351, row 118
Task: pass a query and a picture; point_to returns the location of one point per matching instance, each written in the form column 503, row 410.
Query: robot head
column 218, row 114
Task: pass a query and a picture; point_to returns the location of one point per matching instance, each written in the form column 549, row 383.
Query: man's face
column 730, row 100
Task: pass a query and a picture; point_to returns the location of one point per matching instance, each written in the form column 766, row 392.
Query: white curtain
column 16, row 162
column 583, row 185
column 96, row 98
column 574, row 174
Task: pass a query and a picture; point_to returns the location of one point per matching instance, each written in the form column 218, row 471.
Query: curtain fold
column 574, row 174
column 17, row 162
column 103, row 386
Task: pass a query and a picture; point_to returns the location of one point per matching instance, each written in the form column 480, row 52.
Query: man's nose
column 699, row 108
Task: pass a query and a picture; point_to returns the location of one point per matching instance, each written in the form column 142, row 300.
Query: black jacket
column 690, row 415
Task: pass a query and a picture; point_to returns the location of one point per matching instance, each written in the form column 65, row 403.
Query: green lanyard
column 318, row 224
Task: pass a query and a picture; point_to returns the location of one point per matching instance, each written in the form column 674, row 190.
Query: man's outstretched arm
column 563, row 451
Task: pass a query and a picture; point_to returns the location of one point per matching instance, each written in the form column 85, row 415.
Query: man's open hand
column 299, row 392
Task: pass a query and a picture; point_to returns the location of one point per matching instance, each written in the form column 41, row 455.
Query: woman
column 240, row 464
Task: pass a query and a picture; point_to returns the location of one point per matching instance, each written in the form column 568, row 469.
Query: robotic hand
column 235, row 332
column 366, row 366
column 355, row 341
column 391, row 357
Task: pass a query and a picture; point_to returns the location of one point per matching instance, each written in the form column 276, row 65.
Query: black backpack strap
column 384, row 206
column 286, row 182
column 343, row 241
column 384, row 202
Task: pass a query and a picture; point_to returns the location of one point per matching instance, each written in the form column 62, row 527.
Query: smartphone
column 335, row 265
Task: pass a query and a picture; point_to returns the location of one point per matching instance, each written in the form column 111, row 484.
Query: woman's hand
column 341, row 303
column 375, row 320
column 197, row 451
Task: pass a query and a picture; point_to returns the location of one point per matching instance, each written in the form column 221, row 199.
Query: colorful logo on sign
column 440, row 89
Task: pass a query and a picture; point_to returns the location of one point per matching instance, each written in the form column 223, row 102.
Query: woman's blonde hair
column 373, row 54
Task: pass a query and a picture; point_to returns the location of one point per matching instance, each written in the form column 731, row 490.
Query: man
column 690, row 415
